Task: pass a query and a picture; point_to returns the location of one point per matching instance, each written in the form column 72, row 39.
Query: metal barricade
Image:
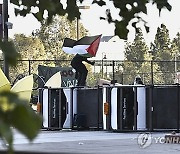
column 126, row 108
column 71, row 108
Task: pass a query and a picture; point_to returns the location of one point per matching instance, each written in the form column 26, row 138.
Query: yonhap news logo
column 144, row 140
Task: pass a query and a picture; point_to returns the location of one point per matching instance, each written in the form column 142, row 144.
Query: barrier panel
column 71, row 108
column 163, row 102
column 88, row 108
column 53, row 107
column 126, row 107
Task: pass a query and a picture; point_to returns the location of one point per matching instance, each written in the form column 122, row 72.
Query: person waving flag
column 86, row 46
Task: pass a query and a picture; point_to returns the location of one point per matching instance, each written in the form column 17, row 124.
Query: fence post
column 122, row 78
column 135, row 108
column 71, row 107
column 102, row 68
column 29, row 64
column 177, row 107
column 152, row 80
column 150, row 107
column 113, row 70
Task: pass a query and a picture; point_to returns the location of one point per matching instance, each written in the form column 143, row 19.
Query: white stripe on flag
column 69, row 50
column 80, row 49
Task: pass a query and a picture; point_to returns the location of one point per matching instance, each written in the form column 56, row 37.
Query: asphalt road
column 95, row 142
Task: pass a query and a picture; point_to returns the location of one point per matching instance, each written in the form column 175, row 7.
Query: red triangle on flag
column 92, row 49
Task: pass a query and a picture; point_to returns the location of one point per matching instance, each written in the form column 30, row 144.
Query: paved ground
column 96, row 142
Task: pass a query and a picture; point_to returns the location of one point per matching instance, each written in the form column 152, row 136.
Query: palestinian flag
column 86, row 46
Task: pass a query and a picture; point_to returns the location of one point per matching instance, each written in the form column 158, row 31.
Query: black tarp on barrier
column 165, row 107
column 89, row 108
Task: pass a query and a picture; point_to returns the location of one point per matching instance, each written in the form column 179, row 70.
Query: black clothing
column 81, row 70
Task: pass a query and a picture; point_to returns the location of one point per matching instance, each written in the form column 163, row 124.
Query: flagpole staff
column 83, row 7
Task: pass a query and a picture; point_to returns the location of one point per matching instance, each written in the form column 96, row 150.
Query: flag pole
column 83, row 7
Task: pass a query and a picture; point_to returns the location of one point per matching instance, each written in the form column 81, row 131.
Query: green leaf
column 100, row 3
column 10, row 52
column 6, row 134
column 73, row 10
column 24, row 119
column 121, row 29
column 20, row 116
column 147, row 28
column 15, row 2
column 39, row 16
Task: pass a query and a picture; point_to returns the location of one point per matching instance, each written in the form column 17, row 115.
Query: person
column 81, row 70
column 138, row 80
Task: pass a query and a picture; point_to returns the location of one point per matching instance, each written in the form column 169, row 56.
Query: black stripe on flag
column 87, row 40
column 69, row 42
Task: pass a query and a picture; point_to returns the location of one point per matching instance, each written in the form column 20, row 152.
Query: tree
column 52, row 36
column 162, row 44
column 29, row 48
column 138, row 49
column 135, row 54
column 176, row 48
column 163, row 53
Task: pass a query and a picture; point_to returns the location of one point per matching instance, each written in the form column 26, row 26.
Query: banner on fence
column 67, row 75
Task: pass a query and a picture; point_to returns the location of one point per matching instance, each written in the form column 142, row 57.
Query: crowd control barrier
column 124, row 107
column 163, row 107
column 112, row 108
column 71, row 108
column 53, row 107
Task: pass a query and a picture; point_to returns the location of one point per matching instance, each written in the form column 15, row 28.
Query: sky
column 170, row 19
column 91, row 21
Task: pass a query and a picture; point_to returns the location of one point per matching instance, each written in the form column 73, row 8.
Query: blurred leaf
column 161, row 4
column 147, row 28
column 73, row 10
column 99, row 2
column 10, row 52
column 15, row 2
column 134, row 24
column 121, row 29
column 109, row 17
column 24, row 119
column 20, row 116
column 102, row 18
column 6, row 133
column 22, row 12
column 39, row 16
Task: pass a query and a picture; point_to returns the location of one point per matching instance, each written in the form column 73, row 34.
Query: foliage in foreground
column 16, row 114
